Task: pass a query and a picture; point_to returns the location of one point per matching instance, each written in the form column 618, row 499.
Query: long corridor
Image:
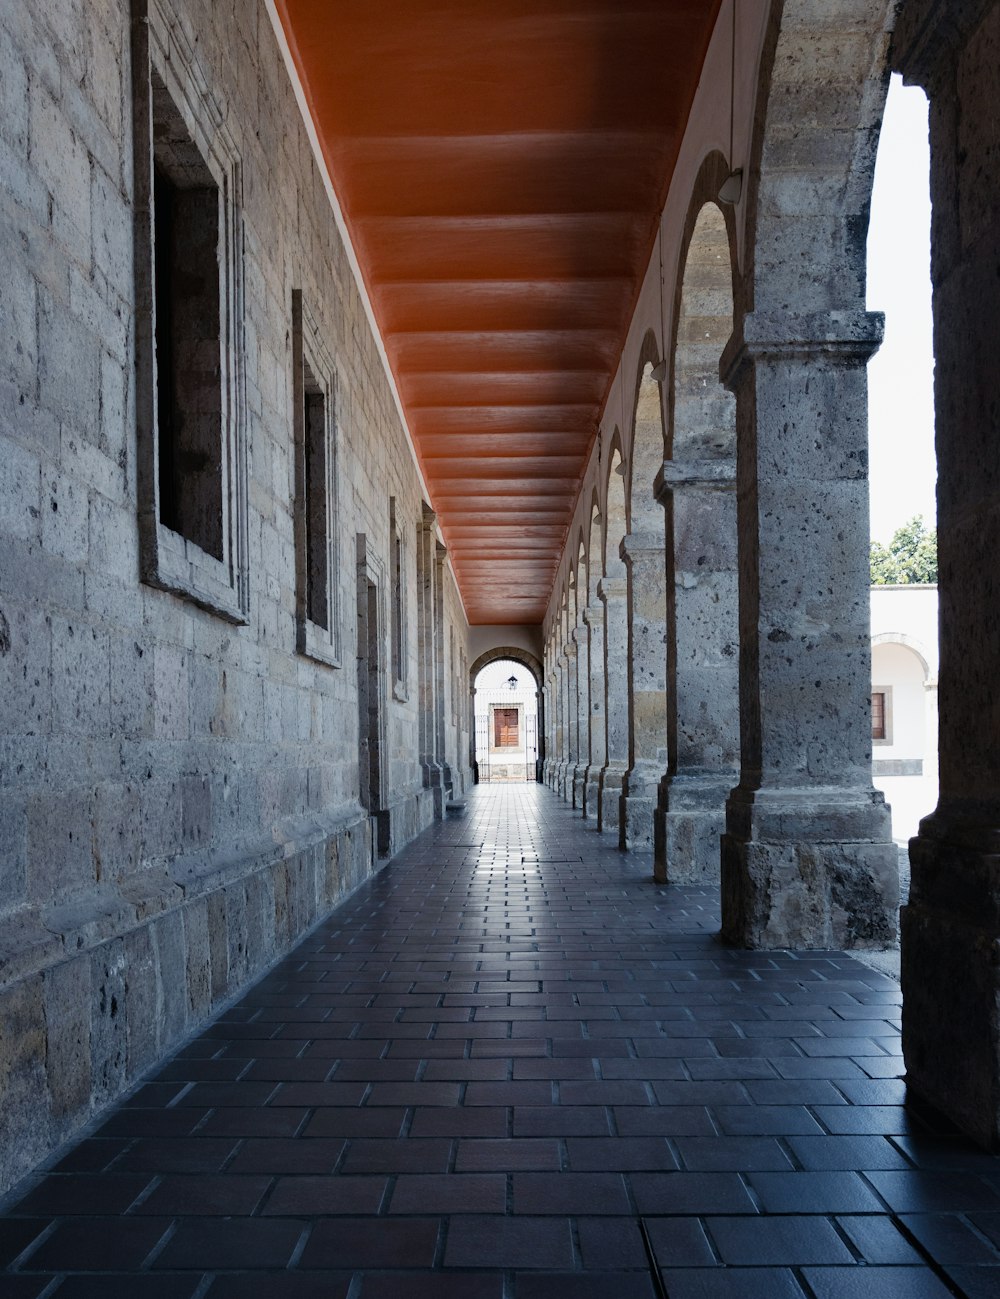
column 513, row 1067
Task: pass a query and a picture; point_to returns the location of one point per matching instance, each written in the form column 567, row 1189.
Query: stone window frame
column 398, row 629
column 162, row 51
column 886, row 692
column 323, row 644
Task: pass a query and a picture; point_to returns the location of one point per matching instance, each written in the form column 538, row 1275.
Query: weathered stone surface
column 67, row 1044
column 613, row 593
column 647, row 694
column 109, row 1021
column 809, row 894
column 156, row 760
column 950, row 958
column 24, row 1120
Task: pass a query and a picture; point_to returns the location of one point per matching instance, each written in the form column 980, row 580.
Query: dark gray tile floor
column 512, row 1067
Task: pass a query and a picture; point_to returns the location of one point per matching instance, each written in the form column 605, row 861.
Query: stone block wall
column 179, row 794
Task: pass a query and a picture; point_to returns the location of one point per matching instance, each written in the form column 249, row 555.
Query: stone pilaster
column 951, row 925
column 593, row 617
column 582, row 642
column 647, row 696
column 551, row 708
column 440, row 685
column 807, row 857
column 613, row 594
column 427, row 654
column 572, row 719
column 699, row 497
column 562, row 730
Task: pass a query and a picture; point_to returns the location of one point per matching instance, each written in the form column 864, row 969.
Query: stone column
column 593, row 616
column 581, row 642
column 427, row 656
column 699, row 497
column 807, row 858
column 647, row 696
column 613, row 594
column 951, row 926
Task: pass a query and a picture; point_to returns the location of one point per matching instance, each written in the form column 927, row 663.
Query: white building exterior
column 506, row 722
column 904, row 628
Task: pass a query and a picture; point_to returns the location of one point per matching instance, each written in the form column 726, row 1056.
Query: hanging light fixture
column 512, row 681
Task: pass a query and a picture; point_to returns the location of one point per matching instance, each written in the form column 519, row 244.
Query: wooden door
column 505, row 729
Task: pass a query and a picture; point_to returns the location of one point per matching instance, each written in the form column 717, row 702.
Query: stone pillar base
column 635, row 827
column 951, row 982
column 610, row 797
column 433, row 779
column 809, row 869
column 688, row 825
column 639, row 794
column 591, row 792
column 579, row 778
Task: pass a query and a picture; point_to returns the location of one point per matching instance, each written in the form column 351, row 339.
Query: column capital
column 637, row 544
column 712, row 475
column 593, row 615
column 428, row 519
column 612, row 588
column 850, row 333
column 929, row 34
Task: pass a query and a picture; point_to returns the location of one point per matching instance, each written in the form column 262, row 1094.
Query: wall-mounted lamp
column 512, row 681
column 732, row 188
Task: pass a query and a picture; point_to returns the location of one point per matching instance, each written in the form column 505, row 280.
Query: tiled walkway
column 514, row 1067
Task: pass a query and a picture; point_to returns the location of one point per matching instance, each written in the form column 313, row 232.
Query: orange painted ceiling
column 501, row 165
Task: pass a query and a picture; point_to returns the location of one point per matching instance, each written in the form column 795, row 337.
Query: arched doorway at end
column 508, row 732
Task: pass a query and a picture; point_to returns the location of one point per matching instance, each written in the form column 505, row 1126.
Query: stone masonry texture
column 178, row 795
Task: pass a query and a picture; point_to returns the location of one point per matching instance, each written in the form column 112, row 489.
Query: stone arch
column 648, row 443
column 615, row 520
column 537, row 669
column 647, row 613
column 578, row 575
column 698, row 491
column 595, row 562
column 596, row 652
column 579, row 680
column 513, row 652
column 807, row 203
column 910, row 642
column 614, row 599
column 701, row 412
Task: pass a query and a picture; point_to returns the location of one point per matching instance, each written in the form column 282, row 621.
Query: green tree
column 911, row 556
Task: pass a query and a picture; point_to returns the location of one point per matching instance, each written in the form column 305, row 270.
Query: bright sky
column 900, row 376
